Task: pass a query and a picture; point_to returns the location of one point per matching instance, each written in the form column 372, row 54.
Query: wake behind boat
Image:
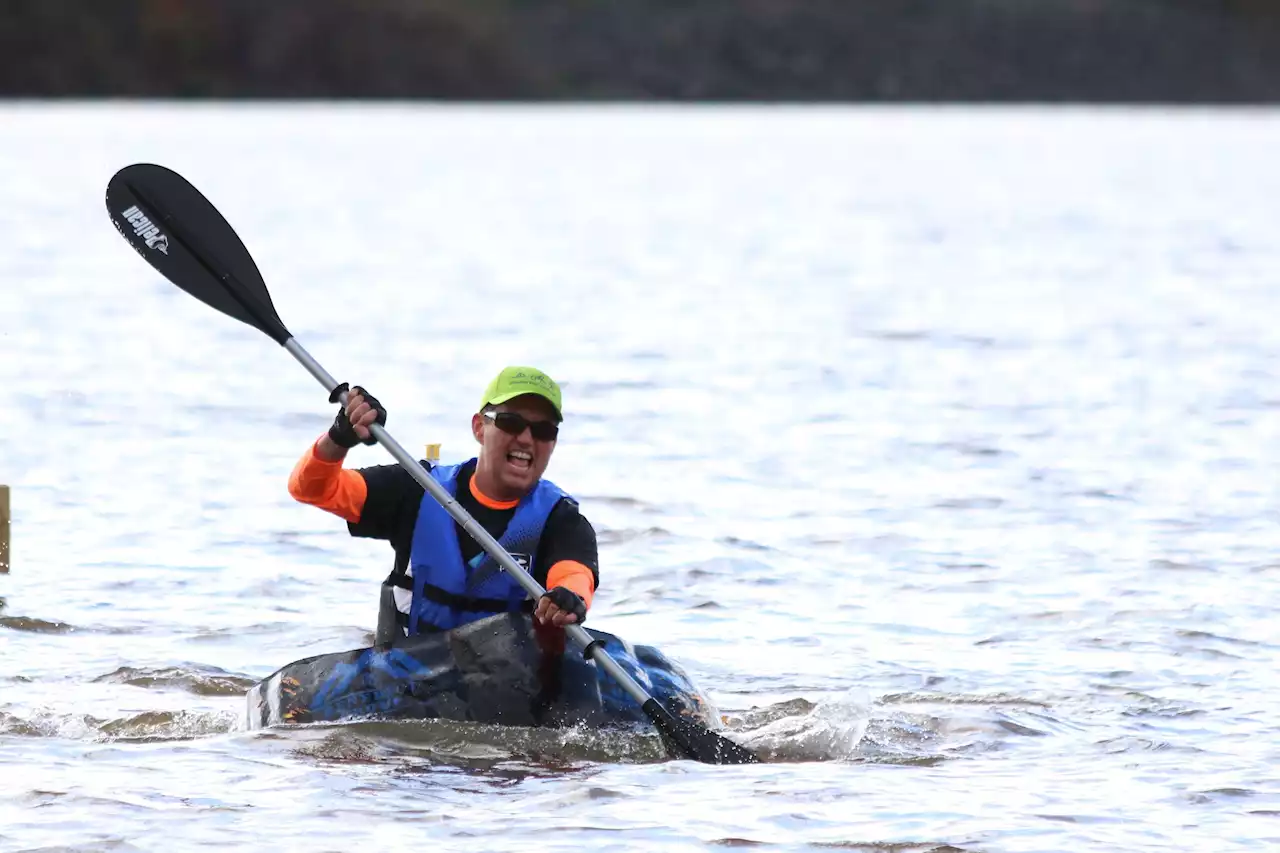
column 499, row 670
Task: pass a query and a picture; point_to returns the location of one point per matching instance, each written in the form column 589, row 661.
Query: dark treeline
column 1172, row 51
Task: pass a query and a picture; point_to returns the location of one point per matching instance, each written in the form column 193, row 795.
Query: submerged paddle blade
column 180, row 233
column 695, row 741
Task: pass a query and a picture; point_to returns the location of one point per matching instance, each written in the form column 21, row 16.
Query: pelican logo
column 144, row 228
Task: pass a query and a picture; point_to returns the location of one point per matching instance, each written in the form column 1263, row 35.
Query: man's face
column 510, row 465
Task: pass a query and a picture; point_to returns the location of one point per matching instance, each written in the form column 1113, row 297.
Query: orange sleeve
column 573, row 576
column 329, row 486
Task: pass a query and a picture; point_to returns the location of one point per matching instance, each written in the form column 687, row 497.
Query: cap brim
column 511, row 395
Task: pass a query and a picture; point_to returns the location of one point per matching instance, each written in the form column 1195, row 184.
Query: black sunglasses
column 514, row 423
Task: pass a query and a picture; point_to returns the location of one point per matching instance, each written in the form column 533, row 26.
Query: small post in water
column 4, row 530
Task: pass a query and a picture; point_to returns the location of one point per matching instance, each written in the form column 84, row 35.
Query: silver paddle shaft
column 471, row 526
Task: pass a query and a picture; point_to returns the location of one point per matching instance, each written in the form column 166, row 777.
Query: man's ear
column 477, row 427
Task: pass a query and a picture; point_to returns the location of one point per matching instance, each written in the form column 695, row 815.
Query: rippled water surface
column 940, row 447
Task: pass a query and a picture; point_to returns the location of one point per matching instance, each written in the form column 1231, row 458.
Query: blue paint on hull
column 497, row 670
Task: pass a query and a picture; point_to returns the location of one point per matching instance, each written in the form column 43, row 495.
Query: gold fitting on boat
column 433, row 453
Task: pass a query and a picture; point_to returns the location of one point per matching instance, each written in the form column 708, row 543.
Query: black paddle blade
column 694, row 740
column 180, row 233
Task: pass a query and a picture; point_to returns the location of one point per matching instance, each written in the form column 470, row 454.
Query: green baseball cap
column 517, row 380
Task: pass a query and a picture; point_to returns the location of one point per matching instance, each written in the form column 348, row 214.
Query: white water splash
column 149, row 726
column 829, row 731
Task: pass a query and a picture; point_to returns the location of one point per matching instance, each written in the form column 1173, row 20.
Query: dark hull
column 498, row 670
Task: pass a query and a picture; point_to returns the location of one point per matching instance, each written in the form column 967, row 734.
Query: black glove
column 568, row 601
column 342, row 433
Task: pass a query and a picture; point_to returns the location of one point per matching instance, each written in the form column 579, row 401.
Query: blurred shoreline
column 822, row 51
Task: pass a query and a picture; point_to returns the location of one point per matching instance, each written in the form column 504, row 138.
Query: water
column 938, row 445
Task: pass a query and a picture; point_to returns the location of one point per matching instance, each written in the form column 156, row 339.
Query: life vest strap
column 449, row 599
column 402, row 619
column 431, row 592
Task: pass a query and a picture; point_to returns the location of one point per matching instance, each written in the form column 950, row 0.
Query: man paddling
column 442, row 577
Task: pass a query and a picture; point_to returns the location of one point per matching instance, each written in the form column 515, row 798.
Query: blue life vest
column 448, row 592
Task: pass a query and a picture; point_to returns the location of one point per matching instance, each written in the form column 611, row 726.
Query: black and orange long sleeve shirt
column 381, row 502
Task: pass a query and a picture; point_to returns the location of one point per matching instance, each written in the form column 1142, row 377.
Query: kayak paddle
column 180, row 233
